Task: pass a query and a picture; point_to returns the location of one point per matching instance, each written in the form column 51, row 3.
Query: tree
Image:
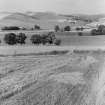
column 44, row 39
column 20, row 38
column 67, row 28
column 101, row 28
column 51, row 37
column 103, row 31
column 56, row 28
column 94, row 32
column 10, row 38
column 36, row 39
column 57, row 42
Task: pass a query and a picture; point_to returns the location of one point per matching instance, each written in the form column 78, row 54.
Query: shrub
column 20, row 38
column 56, row 28
column 36, row 39
column 67, row 28
column 10, row 38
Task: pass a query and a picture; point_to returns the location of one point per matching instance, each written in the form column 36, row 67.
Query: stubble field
column 72, row 78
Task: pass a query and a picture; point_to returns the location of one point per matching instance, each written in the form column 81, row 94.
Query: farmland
column 55, row 79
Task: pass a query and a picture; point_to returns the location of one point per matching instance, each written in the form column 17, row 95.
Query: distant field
column 67, row 38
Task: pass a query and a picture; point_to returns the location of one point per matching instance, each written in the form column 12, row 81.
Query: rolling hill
column 46, row 20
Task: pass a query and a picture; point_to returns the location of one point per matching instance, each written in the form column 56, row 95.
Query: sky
column 58, row 6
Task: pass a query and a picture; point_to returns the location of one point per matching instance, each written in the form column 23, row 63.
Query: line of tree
column 45, row 39
column 99, row 31
column 36, row 27
column 10, row 28
column 12, row 38
column 50, row 38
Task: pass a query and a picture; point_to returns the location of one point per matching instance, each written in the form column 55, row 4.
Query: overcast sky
column 58, row 6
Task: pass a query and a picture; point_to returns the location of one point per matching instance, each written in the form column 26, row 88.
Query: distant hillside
column 47, row 20
column 86, row 17
column 48, row 16
column 4, row 14
column 95, row 24
column 21, row 17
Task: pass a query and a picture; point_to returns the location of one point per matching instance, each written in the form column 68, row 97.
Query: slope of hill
column 18, row 19
column 20, row 16
column 4, row 14
column 48, row 16
column 47, row 20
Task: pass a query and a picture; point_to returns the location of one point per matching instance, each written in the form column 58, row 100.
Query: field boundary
column 44, row 50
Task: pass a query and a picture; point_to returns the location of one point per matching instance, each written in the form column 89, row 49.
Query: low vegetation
column 10, row 28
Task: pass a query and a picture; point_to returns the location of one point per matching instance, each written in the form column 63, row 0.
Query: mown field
column 71, row 78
